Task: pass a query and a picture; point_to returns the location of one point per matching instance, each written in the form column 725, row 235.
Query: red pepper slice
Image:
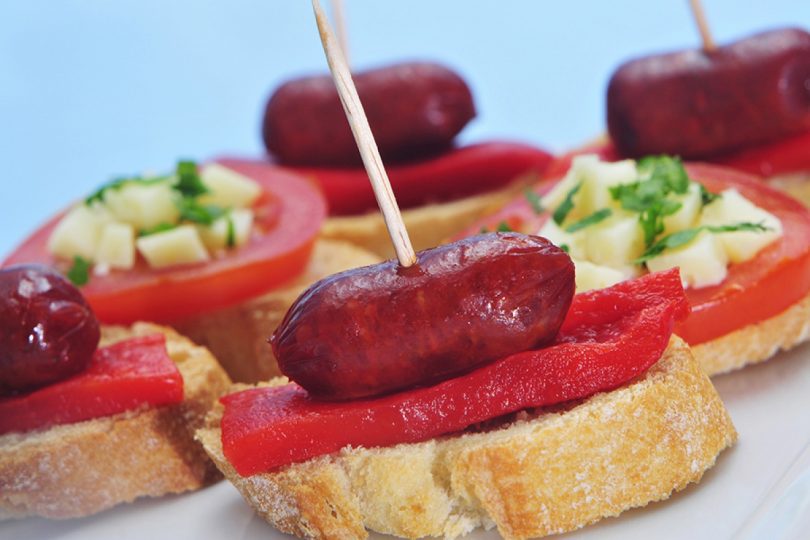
column 460, row 172
column 787, row 155
column 609, row 337
column 121, row 377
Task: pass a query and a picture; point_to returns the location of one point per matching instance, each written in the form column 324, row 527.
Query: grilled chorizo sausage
column 382, row 328
column 698, row 104
column 413, row 109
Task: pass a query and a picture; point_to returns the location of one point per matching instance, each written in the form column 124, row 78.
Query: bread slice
column 756, row 342
column 428, row 226
column 79, row 469
column 539, row 472
column 237, row 336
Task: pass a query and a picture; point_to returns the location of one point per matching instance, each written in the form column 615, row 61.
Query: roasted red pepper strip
column 609, row 337
column 121, row 377
column 784, row 156
column 788, row 155
column 457, row 173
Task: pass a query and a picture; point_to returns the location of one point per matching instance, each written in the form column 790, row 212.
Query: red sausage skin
column 699, row 104
column 414, row 109
column 382, row 328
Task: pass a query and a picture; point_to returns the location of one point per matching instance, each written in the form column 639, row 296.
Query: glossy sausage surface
column 699, row 104
column 382, row 328
column 414, row 109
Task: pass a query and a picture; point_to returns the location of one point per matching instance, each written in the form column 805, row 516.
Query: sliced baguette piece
column 541, row 472
column 428, row 225
column 756, row 342
column 79, row 469
column 237, row 335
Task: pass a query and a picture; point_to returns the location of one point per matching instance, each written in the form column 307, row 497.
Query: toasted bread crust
column 237, row 336
column 79, row 469
column 428, row 226
column 543, row 473
column 756, row 342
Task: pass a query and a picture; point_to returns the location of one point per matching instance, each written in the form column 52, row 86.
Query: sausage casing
column 413, row 109
column 699, row 104
column 383, row 328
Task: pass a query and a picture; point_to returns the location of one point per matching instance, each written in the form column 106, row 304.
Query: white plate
column 759, row 489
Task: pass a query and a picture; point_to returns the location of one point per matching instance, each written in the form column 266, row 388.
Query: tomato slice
column 778, row 277
column 608, row 338
column 762, row 287
column 121, row 377
column 287, row 218
column 460, row 172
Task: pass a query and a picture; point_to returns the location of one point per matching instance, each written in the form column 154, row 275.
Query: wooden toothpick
column 339, row 15
column 365, row 140
column 703, row 26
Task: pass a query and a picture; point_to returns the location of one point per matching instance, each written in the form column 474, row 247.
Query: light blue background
column 90, row 89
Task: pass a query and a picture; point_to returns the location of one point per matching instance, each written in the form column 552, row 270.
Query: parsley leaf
column 230, row 234
column 665, row 170
column 707, row 196
column 593, row 219
column 191, row 210
column 685, row 236
column 79, row 273
column 534, row 201
column 189, row 183
column 565, row 248
column 159, row 228
column 503, row 227
column 566, row 206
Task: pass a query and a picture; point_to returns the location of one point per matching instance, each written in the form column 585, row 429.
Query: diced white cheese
column 116, row 247
column 78, row 233
column 215, row 236
column 598, row 177
column 733, row 208
column 143, row 206
column 702, row 261
column 591, row 276
column 227, row 188
column 558, row 193
column 687, row 216
column 181, row 245
column 558, row 236
column 616, row 243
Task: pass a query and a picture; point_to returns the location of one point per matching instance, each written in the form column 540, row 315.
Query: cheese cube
column 181, row 245
column 227, row 188
column 702, row 261
column 558, row 236
column 687, row 216
column 597, row 180
column 78, row 232
column 215, row 236
column 116, row 247
column 591, row 276
column 143, row 205
column 732, row 208
column 616, row 242
column 558, row 193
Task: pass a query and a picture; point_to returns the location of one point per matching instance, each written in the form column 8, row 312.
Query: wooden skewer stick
column 339, row 15
column 703, row 26
column 365, row 140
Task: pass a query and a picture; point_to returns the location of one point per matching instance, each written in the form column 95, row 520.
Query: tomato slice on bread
column 288, row 216
column 755, row 290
